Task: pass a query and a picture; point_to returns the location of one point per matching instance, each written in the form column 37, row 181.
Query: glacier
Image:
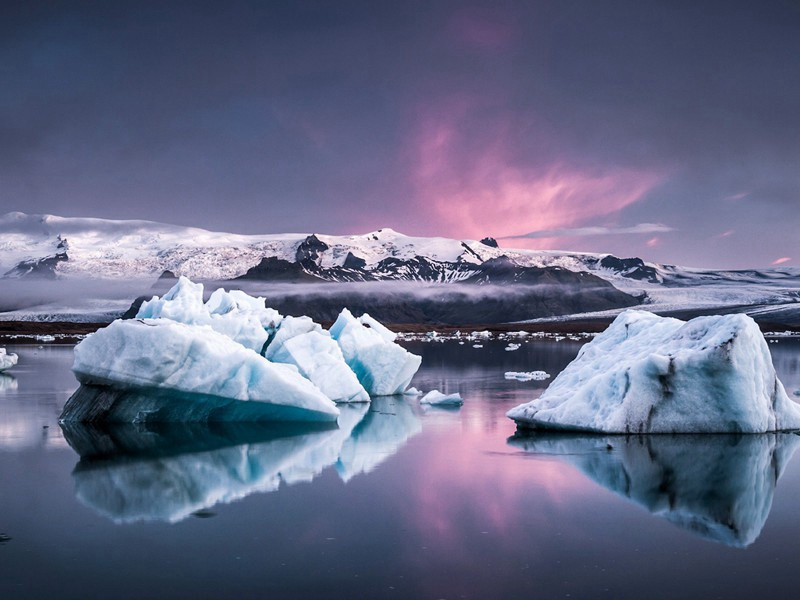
column 383, row 367
column 651, row 374
column 167, row 355
column 7, row 359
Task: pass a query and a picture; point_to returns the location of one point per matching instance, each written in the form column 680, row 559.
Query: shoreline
column 39, row 332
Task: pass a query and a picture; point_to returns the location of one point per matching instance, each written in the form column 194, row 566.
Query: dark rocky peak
column 351, row 261
column 632, row 268
column 42, row 268
column 62, row 243
column 310, row 249
column 490, row 241
column 272, row 268
column 468, row 250
column 167, row 274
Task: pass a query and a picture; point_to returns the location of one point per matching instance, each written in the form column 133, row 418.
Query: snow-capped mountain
column 46, row 245
column 34, row 247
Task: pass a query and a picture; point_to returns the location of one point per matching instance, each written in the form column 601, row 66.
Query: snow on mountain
column 44, row 246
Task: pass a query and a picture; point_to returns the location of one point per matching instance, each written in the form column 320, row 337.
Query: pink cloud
column 653, row 242
column 475, row 187
column 781, row 260
column 727, row 233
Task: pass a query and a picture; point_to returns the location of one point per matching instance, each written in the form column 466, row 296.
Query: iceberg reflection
column 719, row 487
column 167, row 472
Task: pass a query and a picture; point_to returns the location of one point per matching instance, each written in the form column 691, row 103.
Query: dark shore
column 25, row 332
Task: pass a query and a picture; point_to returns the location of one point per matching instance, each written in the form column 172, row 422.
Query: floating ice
column 527, row 375
column 382, row 367
column 242, row 318
column 719, row 487
column 412, row 391
column 319, row 359
column 437, row 398
column 166, row 355
column 512, row 347
column 648, row 374
column 7, row 359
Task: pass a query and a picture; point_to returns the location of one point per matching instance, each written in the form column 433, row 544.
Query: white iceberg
column 527, row 375
column 437, row 398
column 7, row 359
column 649, row 374
column 382, row 367
column 234, row 314
column 320, row 360
column 162, row 354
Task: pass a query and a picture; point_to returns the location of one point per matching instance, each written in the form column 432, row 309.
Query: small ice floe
column 7, row 359
column 527, row 375
column 45, row 338
column 651, row 374
column 437, row 398
column 477, row 345
column 412, row 391
column 512, row 347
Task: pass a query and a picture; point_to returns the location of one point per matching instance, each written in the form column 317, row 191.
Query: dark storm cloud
column 461, row 119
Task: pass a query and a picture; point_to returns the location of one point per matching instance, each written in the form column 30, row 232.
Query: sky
column 666, row 130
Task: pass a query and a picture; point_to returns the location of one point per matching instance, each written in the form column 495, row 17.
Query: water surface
column 398, row 502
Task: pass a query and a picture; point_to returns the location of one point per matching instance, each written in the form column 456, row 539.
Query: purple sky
column 667, row 130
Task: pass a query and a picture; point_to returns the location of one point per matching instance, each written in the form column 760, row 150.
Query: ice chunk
column 648, row 374
column 512, row 347
column 412, row 391
column 166, row 355
column 437, row 398
column 319, row 359
column 242, row 318
column 290, row 327
column 527, row 375
column 382, row 367
column 719, row 487
column 7, row 359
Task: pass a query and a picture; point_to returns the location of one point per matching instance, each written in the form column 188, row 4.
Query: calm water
column 399, row 503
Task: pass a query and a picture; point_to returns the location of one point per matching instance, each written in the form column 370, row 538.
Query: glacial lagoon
column 399, row 501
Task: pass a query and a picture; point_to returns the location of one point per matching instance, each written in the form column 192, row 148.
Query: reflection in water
column 719, row 487
column 169, row 471
column 7, row 382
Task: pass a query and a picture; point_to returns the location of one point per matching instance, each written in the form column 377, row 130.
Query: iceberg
column 382, row 367
column 719, row 487
column 235, row 314
column 651, row 374
column 437, row 398
column 301, row 342
column 220, row 379
column 7, row 359
column 527, row 375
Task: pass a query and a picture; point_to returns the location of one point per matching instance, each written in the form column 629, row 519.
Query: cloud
column 471, row 176
column 587, row 231
column 782, row 260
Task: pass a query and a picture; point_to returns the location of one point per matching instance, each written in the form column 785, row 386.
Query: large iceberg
column 7, row 359
column 383, row 367
column 650, row 374
column 241, row 317
column 719, row 487
column 232, row 358
column 302, row 343
column 162, row 354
